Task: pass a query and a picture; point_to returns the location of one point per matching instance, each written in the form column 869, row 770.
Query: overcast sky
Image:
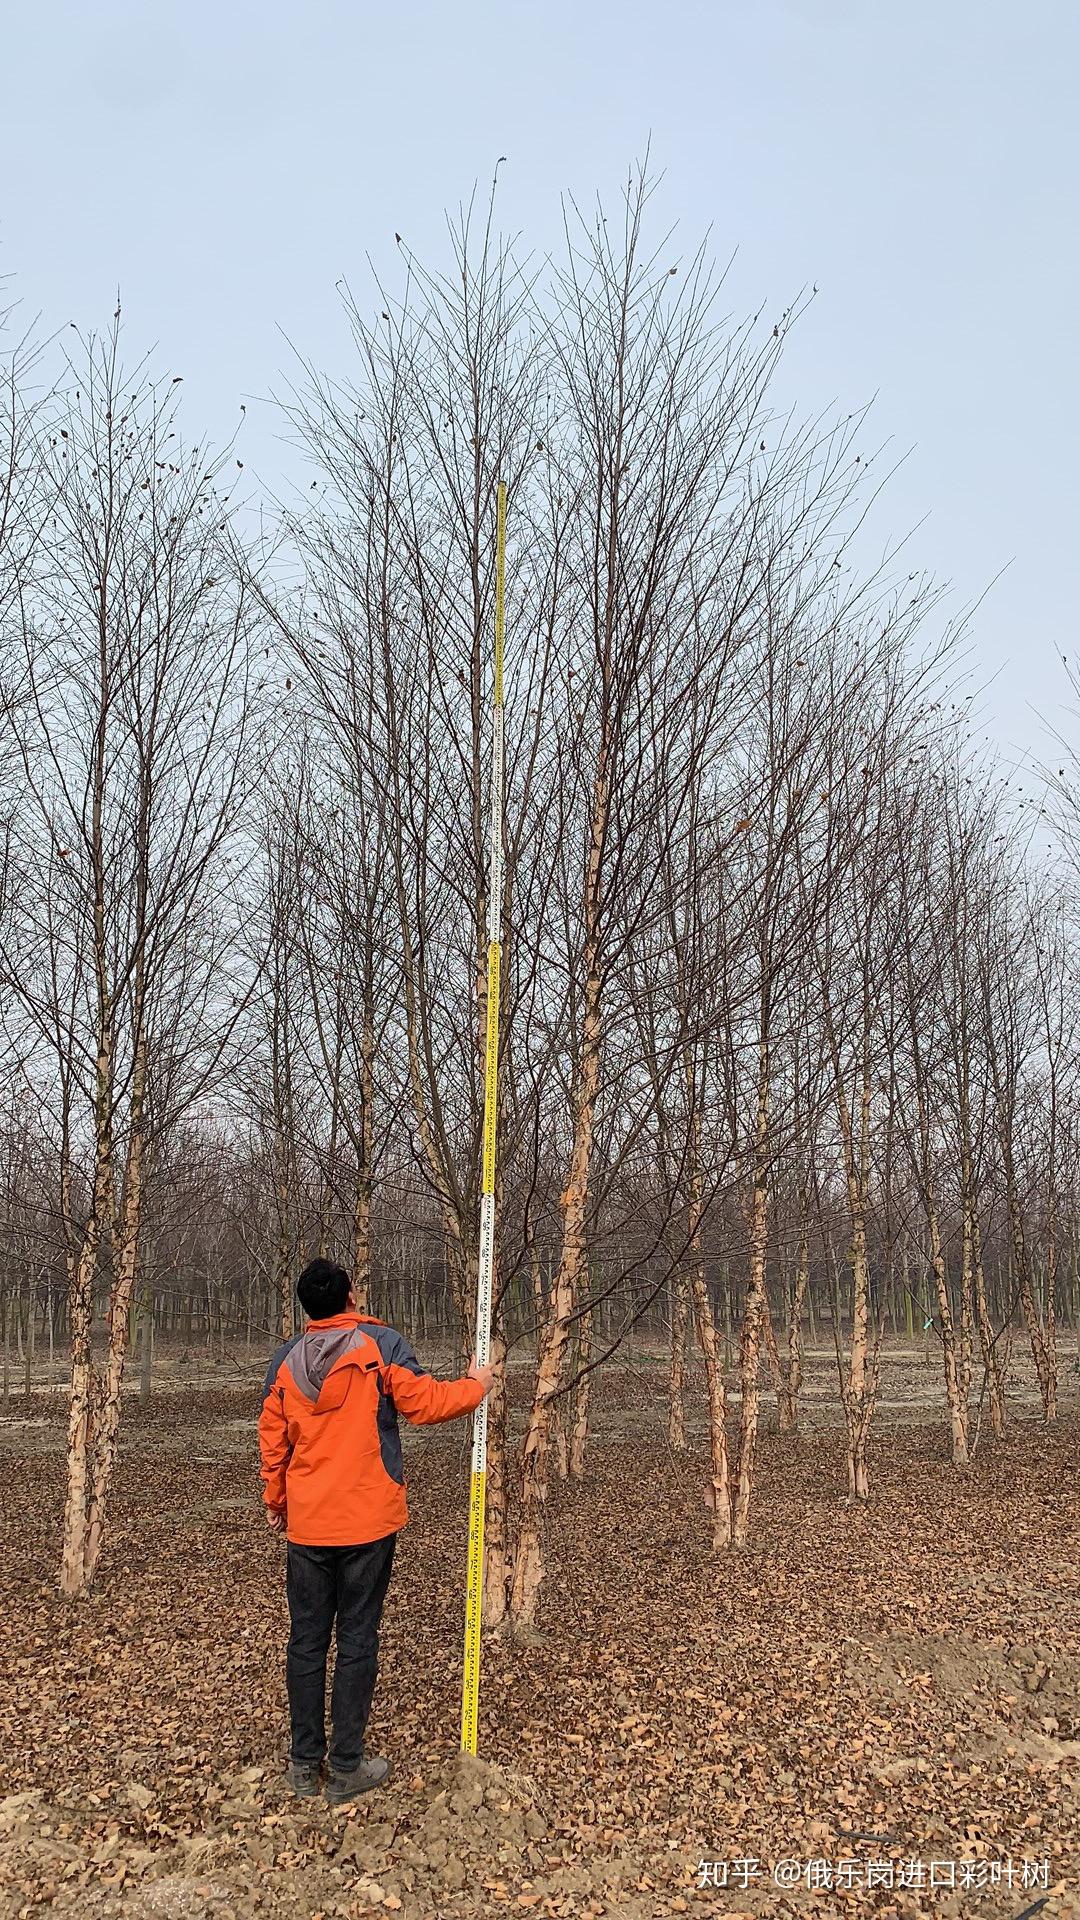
column 227, row 163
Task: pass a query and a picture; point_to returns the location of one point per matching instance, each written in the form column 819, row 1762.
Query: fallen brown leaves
column 907, row 1673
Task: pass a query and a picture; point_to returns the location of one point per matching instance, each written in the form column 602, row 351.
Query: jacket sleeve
column 274, row 1448
column 420, row 1397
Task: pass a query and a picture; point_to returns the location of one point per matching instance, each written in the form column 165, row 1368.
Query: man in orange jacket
column 335, row 1485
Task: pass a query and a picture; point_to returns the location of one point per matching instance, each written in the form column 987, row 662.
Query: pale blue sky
column 227, row 163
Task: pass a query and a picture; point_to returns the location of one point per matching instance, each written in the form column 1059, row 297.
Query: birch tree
column 135, row 634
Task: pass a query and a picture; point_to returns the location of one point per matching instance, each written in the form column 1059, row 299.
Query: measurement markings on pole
column 474, row 1589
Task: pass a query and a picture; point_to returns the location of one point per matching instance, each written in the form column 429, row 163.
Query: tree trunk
column 579, row 1432
column 858, row 1389
column 361, row 1275
column 80, row 1307
column 991, row 1363
column 792, row 1380
column 750, row 1344
column 570, row 1276
column 560, row 1437
column 528, row 1559
column 967, row 1304
column 856, row 1396
column 146, row 1366
column 362, row 1213
column 463, row 1267
column 1050, row 1312
column 497, row 1565
column 29, row 1347
column 768, row 1330
column 1022, row 1264
column 283, row 1279
column 108, row 1412
column 718, row 1492
column 679, row 1317
column 956, row 1404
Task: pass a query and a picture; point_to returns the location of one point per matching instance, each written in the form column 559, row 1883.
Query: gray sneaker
column 348, row 1786
column 304, row 1778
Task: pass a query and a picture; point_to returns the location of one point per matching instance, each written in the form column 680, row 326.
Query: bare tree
column 135, row 629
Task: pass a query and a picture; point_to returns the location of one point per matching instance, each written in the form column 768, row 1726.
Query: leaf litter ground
column 899, row 1682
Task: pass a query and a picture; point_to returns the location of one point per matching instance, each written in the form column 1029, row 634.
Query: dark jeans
column 349, row 1584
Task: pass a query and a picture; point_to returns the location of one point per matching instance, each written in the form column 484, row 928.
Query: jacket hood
column 319, row 1351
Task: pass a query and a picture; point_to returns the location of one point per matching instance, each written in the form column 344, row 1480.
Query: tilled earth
column 889, row 1688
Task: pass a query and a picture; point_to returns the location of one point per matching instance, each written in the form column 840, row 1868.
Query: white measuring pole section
column 470, row 1694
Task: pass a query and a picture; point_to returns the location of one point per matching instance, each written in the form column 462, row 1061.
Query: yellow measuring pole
column 470, row 1692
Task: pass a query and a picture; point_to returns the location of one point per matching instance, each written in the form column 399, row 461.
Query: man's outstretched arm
column 423, row 1399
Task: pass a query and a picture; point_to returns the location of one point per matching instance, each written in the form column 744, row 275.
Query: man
column 335, row 1485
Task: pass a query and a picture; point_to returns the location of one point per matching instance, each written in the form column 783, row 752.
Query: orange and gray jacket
column 328, row 1432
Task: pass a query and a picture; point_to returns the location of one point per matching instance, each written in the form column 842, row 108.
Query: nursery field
column 872, row 1711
